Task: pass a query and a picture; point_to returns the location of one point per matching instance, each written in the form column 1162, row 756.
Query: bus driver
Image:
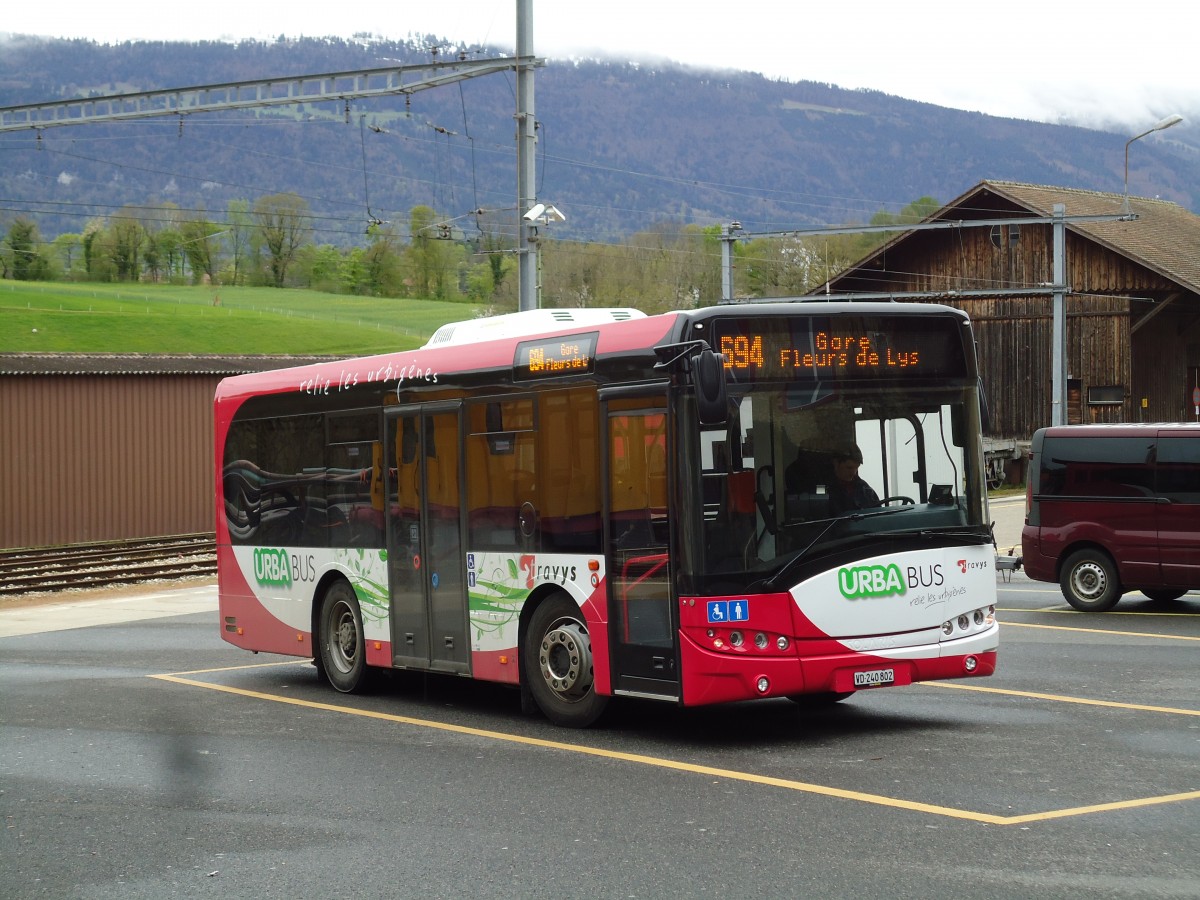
column 849, row 492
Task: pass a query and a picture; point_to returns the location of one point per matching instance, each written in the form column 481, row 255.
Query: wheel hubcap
column 1089, row 581
column 345, row 638
column 565, row 659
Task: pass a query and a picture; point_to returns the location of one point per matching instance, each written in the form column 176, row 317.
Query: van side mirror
column 708, row 375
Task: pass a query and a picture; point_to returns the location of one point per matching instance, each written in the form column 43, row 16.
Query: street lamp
column 1174, row 119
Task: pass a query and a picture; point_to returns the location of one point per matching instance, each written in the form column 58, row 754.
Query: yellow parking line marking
column 1101, row 807
column 1061, row 698
column 1124, row 634
column 292, row 661
column 691, row 768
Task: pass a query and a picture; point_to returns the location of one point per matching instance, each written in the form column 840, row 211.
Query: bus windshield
column 802, row 472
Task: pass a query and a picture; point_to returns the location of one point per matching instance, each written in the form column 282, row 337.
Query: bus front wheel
column 343, row 647
column 558, row 664
column 1089, row 581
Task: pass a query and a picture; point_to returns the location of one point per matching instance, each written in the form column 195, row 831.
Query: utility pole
column 1058, row 354
column 527, row 248
column 729, row 234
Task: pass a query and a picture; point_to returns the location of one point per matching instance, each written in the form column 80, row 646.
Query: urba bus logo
column 870, row 581
column 886, row 581
column 272, row 567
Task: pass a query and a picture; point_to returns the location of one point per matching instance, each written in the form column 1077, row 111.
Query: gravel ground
column 47, row 598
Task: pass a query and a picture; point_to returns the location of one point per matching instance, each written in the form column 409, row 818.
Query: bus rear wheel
column 558, row 664
column 1089, row 581
column 340, row 634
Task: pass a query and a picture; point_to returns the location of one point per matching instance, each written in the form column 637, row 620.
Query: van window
column 1097, row 467
column 1179, row 469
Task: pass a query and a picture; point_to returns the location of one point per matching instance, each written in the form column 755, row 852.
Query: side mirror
column 708, row 375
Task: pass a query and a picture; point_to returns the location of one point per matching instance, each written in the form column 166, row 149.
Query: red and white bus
column 598, row 503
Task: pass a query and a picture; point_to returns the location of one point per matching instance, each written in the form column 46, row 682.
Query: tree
column 25, row 259
column 320, row 267
column 96, row 262
column 69, row 250
column 283, row 224
column 434, row 256
column 124, row 239
column 240, row 225
column 382, row 274
column 202, row 249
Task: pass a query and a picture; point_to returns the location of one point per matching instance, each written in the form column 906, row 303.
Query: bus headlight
column 760, row 641
column 781, row 642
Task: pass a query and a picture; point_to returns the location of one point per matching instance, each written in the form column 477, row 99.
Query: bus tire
column 341, row 639
column 558, row 664
column 1089, row 581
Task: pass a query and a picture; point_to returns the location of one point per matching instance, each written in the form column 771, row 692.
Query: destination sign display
column 555, row 357
column 829, row 347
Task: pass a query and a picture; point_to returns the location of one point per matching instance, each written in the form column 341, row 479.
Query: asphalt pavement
column 1008, row 514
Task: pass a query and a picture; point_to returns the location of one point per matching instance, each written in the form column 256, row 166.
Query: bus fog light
column 735, row 638
column 781, row 642
column 760, row 641
column 763, row 685
column 970, row 663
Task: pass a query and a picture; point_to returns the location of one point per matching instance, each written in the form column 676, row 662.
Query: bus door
column 424, row 538
column 643, row 621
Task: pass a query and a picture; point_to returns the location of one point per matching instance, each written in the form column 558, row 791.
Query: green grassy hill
column 49, row 317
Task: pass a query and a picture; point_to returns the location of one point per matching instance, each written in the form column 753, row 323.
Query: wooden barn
column 1132, row 299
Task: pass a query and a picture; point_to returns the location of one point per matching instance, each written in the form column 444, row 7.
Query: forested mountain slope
column 622, row 147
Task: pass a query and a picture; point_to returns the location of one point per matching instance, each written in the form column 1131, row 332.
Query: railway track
column 50, row 569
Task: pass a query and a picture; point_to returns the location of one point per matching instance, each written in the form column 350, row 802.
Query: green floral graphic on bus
column 495, row 593
column 367, row 570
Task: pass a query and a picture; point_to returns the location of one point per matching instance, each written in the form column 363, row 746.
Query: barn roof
column 144, row 364
column 1164, row 237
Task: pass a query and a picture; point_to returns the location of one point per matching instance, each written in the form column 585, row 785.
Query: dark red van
column 1114, row 508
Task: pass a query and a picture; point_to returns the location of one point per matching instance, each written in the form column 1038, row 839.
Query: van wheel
column 558, row 663
column 1089, row 581
column 1163, row 595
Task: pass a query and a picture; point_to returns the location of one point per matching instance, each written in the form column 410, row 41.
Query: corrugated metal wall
column 105, row 457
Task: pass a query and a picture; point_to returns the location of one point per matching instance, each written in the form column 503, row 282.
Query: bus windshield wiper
column 872, row 513
column 976, row 536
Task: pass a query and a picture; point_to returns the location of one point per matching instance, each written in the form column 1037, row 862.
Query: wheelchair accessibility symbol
column 723, row 611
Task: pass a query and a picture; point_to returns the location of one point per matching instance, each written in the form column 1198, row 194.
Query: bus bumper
column 712, row 677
